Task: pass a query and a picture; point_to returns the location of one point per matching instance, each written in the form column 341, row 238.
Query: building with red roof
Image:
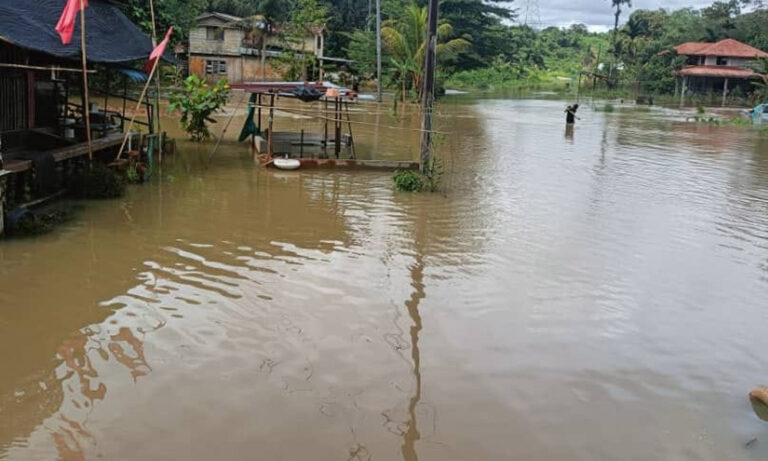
column 720, row 66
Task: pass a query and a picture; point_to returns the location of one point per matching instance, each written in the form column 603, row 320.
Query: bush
column 408, row 181
column 30, row 224
column 197, row 101
column 98, row 181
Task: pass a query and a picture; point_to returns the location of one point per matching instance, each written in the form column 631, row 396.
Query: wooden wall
column 13, row 90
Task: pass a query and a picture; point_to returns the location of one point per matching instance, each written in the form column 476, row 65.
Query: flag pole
column 138, row 106
column 157, row 80
column 87, row 108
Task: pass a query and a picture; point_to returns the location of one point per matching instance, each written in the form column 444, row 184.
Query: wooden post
column 258, row 102
column 351, row 136
column 84, row 54
column 325, row 136
column 337, row 127
column 125, row 100
column 725, row 91
column 428, row 91
column 2, row 201
column 157, row 82
column 136, row 111
column 378, row 50
column 271, row 121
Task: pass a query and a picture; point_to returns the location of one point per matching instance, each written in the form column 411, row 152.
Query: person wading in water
column 570, row 114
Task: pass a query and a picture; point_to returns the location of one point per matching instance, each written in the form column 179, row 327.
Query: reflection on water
column 411, row 435
column 598, row 295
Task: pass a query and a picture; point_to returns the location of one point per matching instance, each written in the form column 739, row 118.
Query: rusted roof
column 717, row 71
column 728, row 48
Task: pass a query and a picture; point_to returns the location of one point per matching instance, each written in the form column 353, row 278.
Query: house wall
column 732, row 62
column 234, row 66
column 252, row 69
column 230, row 46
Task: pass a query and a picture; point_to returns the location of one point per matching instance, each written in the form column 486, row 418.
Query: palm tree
column 405, row 39
column 616, row 4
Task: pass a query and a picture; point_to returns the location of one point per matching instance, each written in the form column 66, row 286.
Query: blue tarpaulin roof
column 110, row 36
column 135, row 76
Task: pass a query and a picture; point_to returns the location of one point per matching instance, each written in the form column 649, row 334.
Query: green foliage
column 434, row 177
column 405, row 40
column 197, row 101
column 413, row 181
column 362, row 51
column 408, row 181
column 96, row 181
column 32, row 224
column 306, row 15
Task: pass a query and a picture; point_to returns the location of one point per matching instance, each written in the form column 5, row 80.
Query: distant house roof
column 717, row 71
column 223, row 20
column 728, row 47
column 110, row 36
column 222, row 16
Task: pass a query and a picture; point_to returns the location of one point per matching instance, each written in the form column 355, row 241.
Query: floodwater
column 599, row 294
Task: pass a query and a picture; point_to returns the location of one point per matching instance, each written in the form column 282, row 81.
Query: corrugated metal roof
column 728, row 48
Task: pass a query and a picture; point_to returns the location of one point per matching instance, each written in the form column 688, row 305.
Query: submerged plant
column 408, row 181
column 197, row 101
column 97, row 181
column 413, row 181
column 30, row 224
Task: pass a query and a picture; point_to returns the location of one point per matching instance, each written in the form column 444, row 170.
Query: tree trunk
column 264, row 56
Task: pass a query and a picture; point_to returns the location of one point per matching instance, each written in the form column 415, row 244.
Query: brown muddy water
column 594, row 295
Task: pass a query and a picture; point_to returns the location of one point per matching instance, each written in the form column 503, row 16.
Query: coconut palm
column 405, row 39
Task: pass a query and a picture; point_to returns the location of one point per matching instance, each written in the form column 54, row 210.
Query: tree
column 307, row 16
column 405, row 38
column 483, row 24
column 617, row 5
column 362, row 51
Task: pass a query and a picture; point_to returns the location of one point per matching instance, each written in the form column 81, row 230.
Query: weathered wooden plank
column 352, row 163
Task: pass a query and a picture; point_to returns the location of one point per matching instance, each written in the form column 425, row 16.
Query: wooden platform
column 352, row 164
column 64, row 153
column 292, row 143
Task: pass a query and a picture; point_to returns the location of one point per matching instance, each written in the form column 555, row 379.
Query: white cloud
column 596, row 14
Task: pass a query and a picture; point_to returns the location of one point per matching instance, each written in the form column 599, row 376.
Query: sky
column 596, row 14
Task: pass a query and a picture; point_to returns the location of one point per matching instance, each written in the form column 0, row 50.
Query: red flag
column 158, row 51
column 66, row 25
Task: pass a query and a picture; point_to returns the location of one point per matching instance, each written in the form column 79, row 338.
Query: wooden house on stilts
column 42, row 116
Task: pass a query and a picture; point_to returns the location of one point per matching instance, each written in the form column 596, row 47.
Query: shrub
column 408, row 181
column 30, row 224
column 197, row 101
column 98, row 181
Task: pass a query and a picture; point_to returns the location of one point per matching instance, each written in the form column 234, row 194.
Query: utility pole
column 378, row 50
column 428, row 90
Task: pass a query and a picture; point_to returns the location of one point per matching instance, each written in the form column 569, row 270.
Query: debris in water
column 759, row 399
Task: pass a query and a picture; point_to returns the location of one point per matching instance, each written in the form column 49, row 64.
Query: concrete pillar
column 682, row 92
column 725, row 91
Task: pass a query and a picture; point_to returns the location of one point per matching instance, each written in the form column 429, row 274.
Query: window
column 215, row 67
column 721, row 61
column 319, row 42
column 214, row 33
